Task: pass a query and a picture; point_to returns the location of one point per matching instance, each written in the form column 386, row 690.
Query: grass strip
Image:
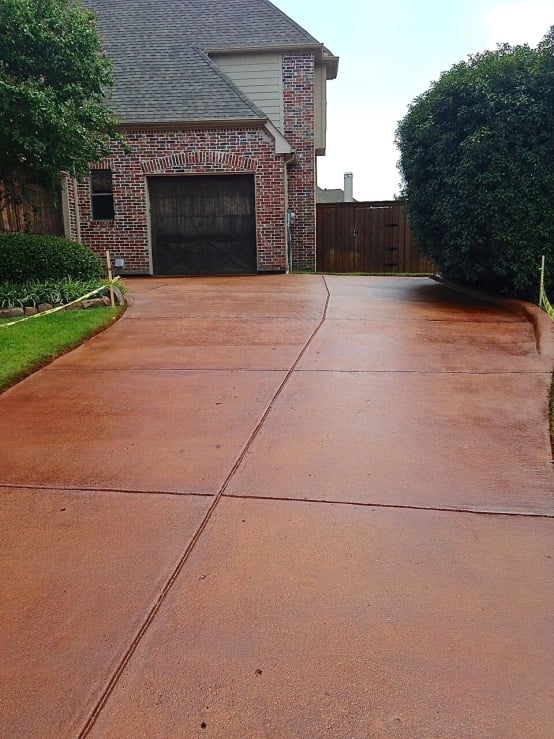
column 33, row 344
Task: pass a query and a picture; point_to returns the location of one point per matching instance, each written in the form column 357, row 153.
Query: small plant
column 31, row 294
column 28, row 258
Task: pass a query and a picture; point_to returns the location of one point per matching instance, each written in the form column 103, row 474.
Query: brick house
column 223, row 108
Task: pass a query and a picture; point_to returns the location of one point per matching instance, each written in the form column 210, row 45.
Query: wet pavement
column 282, row 506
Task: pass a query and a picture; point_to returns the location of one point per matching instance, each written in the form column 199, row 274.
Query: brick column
column 298, row 102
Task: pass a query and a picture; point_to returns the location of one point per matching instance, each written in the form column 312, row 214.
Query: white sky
column 390, row 53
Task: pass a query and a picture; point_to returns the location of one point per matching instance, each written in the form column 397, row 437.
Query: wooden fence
column 372, row 237
column 29, row 207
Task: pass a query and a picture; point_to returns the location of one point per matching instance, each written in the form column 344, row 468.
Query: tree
column 54, row 77
column 476, row 157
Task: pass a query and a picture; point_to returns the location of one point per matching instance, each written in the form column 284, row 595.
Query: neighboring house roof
column 331, row 196
column 161, row 68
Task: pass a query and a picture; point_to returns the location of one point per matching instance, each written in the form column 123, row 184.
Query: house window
column 101, row 194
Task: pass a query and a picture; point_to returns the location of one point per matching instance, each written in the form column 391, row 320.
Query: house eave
column 203, row 124
column 282, row 146
column 322, row 55
column 270, row 48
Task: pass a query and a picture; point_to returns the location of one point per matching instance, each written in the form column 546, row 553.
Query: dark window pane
column 102, row 207
column 101, row 181
column 101, row 189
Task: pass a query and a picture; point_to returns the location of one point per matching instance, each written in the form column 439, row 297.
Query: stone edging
column 16, row 312
column 102, row 302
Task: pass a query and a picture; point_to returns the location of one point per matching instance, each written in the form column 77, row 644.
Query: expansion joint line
column 108, row 690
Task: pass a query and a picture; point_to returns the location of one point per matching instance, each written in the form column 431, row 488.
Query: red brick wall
column 299, row 107
column 215, row 151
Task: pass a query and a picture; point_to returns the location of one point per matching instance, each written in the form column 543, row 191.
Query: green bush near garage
column 36, row 258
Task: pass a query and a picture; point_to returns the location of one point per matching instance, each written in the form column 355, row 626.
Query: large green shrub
column 477, row 154
column 31, row 257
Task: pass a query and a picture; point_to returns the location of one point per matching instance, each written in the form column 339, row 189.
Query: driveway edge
column 543, row 327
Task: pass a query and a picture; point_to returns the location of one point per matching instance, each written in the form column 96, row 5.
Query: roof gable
column 162, row 73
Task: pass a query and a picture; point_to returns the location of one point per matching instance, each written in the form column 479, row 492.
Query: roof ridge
column 291, row 21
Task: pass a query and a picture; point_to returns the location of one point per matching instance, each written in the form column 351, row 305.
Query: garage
column 203, row 225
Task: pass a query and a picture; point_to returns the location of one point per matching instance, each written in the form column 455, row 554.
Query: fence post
column 110, row 277
column 541, row 288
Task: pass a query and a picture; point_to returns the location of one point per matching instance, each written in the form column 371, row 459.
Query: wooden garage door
column 203, row 225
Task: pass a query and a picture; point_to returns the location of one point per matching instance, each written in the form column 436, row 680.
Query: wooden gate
column 372, row 237
column 203, row 225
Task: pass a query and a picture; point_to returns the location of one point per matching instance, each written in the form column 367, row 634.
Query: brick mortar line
column 112, row 682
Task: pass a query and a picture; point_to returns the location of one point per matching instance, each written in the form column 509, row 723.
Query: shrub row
column 35, row 258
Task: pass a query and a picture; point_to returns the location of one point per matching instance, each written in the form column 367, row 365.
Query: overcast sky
column 390, row 53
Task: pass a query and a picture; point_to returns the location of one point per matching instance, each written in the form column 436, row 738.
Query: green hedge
column 476, row 157
column 33, row 257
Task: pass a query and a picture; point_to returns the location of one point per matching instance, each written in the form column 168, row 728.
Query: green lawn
column 33, row 343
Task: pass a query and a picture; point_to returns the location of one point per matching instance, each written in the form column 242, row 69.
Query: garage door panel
column 203, row 225
column 205, row 256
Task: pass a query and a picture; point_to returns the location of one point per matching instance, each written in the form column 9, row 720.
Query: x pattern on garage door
column 203, row 225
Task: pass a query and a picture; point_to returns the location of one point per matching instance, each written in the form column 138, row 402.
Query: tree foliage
column 54, row 77
column 477, row 161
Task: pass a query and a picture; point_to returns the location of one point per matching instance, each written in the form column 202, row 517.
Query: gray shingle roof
column 162, row 74
column 325, row 195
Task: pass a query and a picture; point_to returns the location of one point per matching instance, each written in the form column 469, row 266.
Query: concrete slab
column 181, row 287
column 424, row 346
column 236, row 299
column 236, row 307
column 363, row 298
column 194, row 343
column 165, row 431
column 476, row 441
column 301, row 620
column 289, row 618
column 80, row 572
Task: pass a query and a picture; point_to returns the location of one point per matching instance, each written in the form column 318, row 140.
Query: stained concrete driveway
column 282, row 507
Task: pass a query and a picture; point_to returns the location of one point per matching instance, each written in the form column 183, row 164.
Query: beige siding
column 320, row 122
column 259, row 77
